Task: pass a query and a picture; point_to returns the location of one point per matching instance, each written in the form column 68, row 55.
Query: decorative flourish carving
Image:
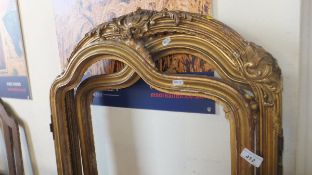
column 259, row 66
column 135, row 24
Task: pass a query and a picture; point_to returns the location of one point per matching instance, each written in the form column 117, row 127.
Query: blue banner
column 14, row 87
column 142, row 96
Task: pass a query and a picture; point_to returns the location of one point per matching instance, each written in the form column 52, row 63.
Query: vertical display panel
column 14, row 82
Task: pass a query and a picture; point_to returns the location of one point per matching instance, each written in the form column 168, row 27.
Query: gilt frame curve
column 249, row 88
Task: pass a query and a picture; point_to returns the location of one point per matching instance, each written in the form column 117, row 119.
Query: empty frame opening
column 150, row 142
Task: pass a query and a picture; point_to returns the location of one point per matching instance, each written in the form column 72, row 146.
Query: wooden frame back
column 12, row 142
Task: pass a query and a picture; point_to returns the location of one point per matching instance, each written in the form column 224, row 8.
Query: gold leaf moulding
column 249, row 88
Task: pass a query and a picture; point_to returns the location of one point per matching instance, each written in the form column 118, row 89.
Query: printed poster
column 14, row 82
column 74, row 18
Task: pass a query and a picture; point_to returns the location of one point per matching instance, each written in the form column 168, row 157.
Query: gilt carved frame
column 249, row 87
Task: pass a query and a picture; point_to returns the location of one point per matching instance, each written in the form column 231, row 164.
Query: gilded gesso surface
column 76, row 17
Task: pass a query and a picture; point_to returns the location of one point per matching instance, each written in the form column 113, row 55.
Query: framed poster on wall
column 74, row 18
column 14, row 82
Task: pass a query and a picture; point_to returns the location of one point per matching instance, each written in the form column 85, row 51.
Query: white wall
column 273, row 24
column 304, row 153
column 144, row 142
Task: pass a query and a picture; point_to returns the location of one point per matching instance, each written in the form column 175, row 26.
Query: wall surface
column 272, row 24
column 304, row 153
column 144, row 142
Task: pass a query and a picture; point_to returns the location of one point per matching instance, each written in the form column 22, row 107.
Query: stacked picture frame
column 249, row 86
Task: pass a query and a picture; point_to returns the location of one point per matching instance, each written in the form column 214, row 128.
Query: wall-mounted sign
column 14, row 81
column 142, row 96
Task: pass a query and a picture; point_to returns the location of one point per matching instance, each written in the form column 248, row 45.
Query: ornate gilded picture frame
column 249, row 86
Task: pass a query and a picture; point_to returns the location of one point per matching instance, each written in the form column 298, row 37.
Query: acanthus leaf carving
column 260, row 68
column 135, row 24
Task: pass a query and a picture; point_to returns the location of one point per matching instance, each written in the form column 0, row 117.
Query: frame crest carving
column 249, row 88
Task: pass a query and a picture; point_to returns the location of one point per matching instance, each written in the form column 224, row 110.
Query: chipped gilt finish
column 249, row 87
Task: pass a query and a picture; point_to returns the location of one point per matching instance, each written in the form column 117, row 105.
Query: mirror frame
column 249, row 88
column 12, row 141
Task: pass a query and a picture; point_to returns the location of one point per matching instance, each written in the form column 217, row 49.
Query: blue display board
column 142, row 96
column 14, row 87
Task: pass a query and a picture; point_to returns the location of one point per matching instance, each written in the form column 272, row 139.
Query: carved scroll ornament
column 249, row 88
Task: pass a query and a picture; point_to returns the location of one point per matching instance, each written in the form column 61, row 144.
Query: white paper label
column 177, row 82
column 209, row 109
column 251, row 157
column 166, row 41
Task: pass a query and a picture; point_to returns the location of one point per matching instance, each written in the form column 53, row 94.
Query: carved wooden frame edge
column 136, row 38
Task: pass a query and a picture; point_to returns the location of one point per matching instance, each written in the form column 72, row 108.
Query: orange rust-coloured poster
column 74, row 18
